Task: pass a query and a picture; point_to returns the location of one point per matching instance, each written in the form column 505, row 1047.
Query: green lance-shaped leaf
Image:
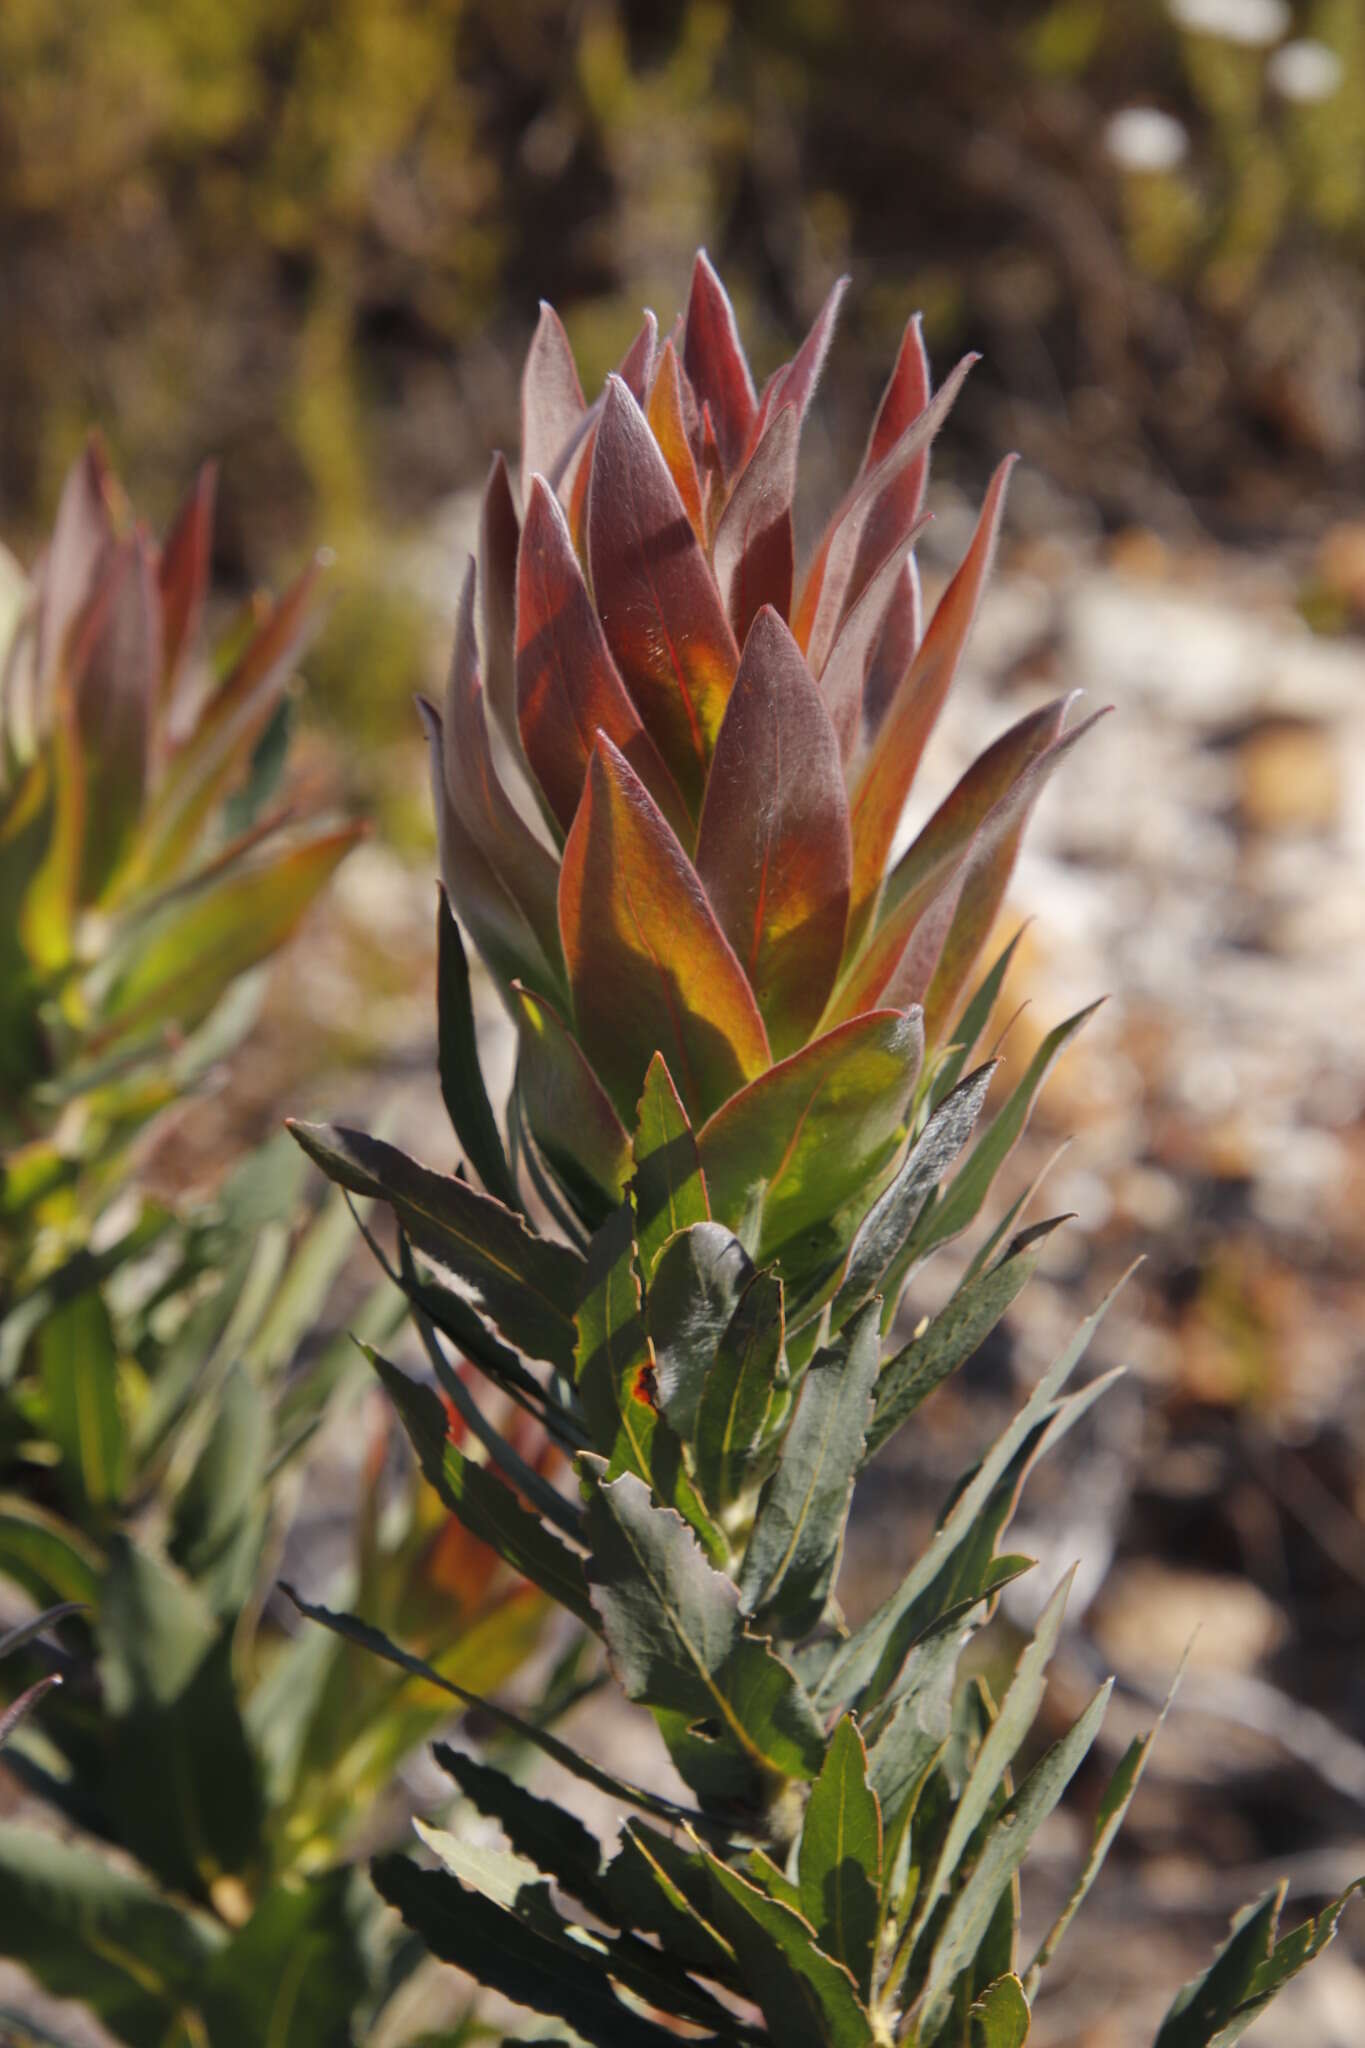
column 669, row 1189
column 963, row 1200
column 863, row 1661
column 1018, row 1711
column 697, row 1284
column 78, row 1368
column 807, row 1136
column 505, row 1952
column 973, row 1022
column 46, row 1555
column 519, row 1887
column 955, row 1334
column 656, row 1884
column 1000, row 2017
column 570, row 1116
column 617, row 1384
column 487, row 1508
column 1291, row 1953
column 173, row 967
column 798, row 1531
column 528, row 1285
column 353, row 1630
column 876, row 1262
column 75, row 1922
column 1109, row 1816
column 808, row 1998
column 462, row 1084
column 840, row 1857
column 743, row 1394
column 554, row 1840
column 674, row 1629
column 1005, row 1846
column 295, row 1971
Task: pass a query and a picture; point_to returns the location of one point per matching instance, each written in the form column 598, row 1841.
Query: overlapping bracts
column 720, row 750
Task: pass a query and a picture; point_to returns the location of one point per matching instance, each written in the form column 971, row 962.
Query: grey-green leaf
column 875, row 1259
column 698, row 1280
column 840, row 1857
column 743, row 1392
column 963, row 1201
column 674, row 1630
column 528, row 1285
column 859, row 1664
column 808, row 1998
column 490, row 1510
column 1001, row 1854
column 955, row 1334
column 799, row 1528
column 528, row 1964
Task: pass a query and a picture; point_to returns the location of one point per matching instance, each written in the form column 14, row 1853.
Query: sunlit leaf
column 773, row 848
column 650, row 969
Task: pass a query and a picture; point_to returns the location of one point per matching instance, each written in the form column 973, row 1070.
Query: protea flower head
column 721, row 750
column 142, row 869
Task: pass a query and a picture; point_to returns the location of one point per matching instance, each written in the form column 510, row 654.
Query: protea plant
column 742, row 1095
column 142, row 872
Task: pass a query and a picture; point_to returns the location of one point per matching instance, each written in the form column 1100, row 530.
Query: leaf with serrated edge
column 877, row 1248
column 798, row 1531
column 742, row 1387
column 674, row 1630
column 549, row 1972
column 488, row 1509
column 840, row 1856
column 527, row 1284
column 808, row 1998
column 856, row 1662
column 650, row 968
column 695, row 1290
column 1001, row 1854
column 553, row 1839
column 773, row 846
column 520, row 1888
column 1000, row 2016
column 1109, row 1816
column 614, row 1370
column 955, row 1334
column 803, row 1138
column 963, row 1201
column 669, row 1189
column 372, row 1639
